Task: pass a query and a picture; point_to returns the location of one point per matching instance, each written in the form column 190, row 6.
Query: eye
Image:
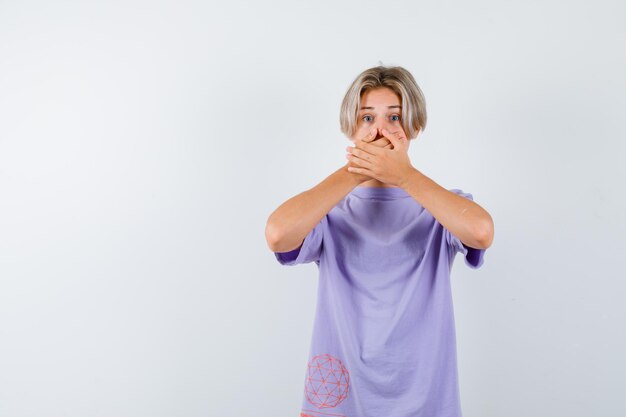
column 398, row 117
column 364, row 117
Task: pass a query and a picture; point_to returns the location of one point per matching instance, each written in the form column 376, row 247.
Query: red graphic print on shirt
column 327, row 381
column 305, row 413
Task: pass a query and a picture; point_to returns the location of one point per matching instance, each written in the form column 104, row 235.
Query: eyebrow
column 371, row 108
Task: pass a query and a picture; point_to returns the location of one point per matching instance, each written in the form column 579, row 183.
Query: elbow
column 484, row 233
column 272, row 237
column 277, row 241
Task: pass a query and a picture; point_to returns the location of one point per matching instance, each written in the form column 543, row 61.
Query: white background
column 144, row 144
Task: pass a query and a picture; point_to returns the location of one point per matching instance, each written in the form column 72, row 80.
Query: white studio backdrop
column 144, row 144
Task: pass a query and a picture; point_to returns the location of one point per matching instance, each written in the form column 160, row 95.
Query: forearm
column 462, row 217
column 289, row 224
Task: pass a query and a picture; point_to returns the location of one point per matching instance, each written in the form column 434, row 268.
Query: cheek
column 359, row 132
column 401, row 129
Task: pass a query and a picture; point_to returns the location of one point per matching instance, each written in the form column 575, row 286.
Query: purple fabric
column 383, row 340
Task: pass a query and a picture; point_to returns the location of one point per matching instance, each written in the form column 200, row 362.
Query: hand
column 381, row 142
column 391, row 166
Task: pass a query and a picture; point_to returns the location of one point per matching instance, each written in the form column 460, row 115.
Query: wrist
column 351, row 177
column 413, row 176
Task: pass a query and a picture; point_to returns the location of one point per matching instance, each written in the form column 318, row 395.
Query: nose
column 380, row 125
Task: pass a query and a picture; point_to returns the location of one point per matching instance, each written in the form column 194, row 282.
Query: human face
column 381, row 108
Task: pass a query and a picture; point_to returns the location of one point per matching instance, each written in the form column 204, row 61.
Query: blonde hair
column 397, row 79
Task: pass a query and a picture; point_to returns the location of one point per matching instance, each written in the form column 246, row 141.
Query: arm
column 462, row 217
column 465, row 219
column 289, row 224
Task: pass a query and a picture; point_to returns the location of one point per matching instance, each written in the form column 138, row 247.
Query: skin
column 378, row 159
column 374, row 120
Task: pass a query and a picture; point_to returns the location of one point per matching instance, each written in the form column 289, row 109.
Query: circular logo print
column 327, row 381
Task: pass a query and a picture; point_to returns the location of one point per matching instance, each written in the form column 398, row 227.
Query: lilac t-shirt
column 384, row 342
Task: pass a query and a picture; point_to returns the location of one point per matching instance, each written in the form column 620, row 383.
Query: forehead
column 381, row 98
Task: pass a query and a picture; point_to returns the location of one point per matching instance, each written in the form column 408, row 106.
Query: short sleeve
column 309, row 251
column 474, row 258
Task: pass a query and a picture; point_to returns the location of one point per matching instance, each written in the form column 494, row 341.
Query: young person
column 384, row 237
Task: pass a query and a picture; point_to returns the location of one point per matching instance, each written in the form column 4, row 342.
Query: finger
column 361, row 171
column 360, row 154
column 396, row 134
column 362, row 161
column 371, row 135
column 381, row 142
column 367, row 149
column 396, row 138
